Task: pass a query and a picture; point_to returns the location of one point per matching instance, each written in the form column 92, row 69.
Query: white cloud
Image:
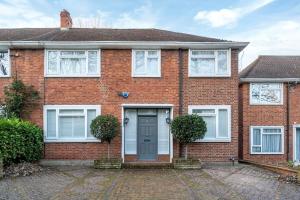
column 142, row 17
column 22, row 13
column 229, row 16
column 280, row 38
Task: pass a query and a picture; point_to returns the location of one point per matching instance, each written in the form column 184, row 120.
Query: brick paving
column 238, row 182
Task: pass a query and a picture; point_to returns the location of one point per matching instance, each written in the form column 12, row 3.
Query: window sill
column 265, row 153
column 213, row 140
column 70, row 141
column 209, row 76
column 5, row 76
column 73, row 76
column 271, row 104
column 145, row 76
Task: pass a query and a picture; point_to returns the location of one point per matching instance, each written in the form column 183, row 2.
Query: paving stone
column 221, row 182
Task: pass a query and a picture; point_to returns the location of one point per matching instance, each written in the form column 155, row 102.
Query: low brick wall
column 283, row 171
column 112, row 163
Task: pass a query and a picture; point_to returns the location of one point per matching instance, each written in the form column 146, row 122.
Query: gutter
column 279, row 80
column 123, row 44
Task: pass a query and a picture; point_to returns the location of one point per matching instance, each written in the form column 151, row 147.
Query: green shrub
column 20, row 141
column 187, row 129
column 105, row 128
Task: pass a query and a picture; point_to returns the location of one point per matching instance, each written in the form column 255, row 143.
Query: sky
column 271, row 26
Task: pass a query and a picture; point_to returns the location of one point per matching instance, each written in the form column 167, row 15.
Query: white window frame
column 71, row 107
column 281, row 96
column 261, row 131
column 9, row 64
column 216, row 108
column 228, row 74
column 98, row 74
column 145, row 61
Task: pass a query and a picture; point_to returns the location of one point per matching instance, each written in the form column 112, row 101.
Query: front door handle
column 147, row 140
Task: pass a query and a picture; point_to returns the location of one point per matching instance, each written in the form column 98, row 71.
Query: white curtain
column 211, row 127
column 92, row 62
column 223, row 123
column 139, row 62
column 51, row 123
column 203, row 66
column 71, row 66
column 222, row 62
column 152, row 66
column 271, row 143
column 91, row 114
column 52, row 62
column 71, row 127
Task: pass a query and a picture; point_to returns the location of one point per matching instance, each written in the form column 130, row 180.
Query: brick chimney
column 65, row 20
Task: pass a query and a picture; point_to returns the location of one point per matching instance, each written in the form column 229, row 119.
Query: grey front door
column 147, row 137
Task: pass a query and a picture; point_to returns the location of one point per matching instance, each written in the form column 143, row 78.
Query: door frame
column 124, row 106
column 138, row 137
column 295, row 142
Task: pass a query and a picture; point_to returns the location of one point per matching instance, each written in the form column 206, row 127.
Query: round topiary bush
column 105, row 128
column 188, row 128
column 20, row 141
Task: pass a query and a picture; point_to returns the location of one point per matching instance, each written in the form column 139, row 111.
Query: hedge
column 20, row 141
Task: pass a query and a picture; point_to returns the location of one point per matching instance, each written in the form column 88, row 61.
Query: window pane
column 266, row 93
column 92, row 62
column 52, row 62
column 256, row 137
column 271, row 143
column 272, row 130
column 204, row 53
column 51, row 123
column 202, row 66
column 222, row 62
column 152, row 66
column 71, row 111
column 223, row 123
column 211, row 127
column 130, row 131
column 152, row 53
column 4, row 63
column 139, row 62
column 71, row 66
column 91, row 114
column 256, row 149
column 71, row 127
column 204, row 111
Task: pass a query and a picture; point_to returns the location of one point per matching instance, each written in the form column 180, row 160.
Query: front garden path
column 239, row 182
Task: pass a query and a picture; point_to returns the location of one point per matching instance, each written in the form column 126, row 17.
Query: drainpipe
column 180, row 81
column 288, row 121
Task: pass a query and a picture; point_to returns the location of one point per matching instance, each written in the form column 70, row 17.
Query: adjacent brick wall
column 116, row 77
column 214, row 91
column 261, row 115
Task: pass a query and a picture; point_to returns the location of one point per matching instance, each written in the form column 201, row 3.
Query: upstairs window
column 209, row 63
column 66, row 63
column 4, row 63
column 146, row 63
column 266, row 93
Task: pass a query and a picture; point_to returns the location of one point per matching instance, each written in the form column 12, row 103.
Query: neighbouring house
column 145, row 77
column 269, row 110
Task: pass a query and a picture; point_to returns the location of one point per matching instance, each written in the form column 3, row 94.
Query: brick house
column 145, row 77
column 269, row 105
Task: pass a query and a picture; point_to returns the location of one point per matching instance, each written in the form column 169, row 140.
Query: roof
column 99, row 34
column 272, row 68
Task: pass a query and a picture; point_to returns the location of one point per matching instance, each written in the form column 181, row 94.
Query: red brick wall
column 214, row 91
column 261, row 115
column 116, row 77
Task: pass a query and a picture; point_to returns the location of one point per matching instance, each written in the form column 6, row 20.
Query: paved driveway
column 239, row 182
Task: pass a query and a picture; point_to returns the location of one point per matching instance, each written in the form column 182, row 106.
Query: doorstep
column 147, row 165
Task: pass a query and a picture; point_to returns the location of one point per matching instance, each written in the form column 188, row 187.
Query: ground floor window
column 218, row 121
column 66, row 122
column 267, row 139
